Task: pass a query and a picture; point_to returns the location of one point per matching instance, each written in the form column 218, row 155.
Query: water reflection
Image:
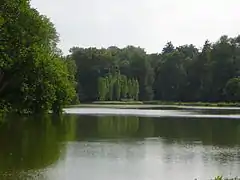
column 70, row 147
column 219, row 132
column 30, row 144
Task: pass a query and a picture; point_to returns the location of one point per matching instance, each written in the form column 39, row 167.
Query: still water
column 122, row 144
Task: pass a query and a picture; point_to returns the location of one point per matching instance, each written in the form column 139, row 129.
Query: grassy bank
column 118, row 102
column 210, row 104
column 156, row 103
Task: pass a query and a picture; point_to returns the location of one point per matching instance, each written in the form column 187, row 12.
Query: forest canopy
column 184, row 73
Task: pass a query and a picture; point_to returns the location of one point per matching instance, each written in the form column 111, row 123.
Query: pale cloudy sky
column 146, row 23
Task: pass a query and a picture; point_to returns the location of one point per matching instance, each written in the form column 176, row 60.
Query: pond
column 150, row 143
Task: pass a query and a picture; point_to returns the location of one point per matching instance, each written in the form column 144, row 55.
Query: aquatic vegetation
column 222, row 178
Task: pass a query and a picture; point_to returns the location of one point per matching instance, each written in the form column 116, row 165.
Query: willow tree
column 130, row 88
column 117, row 88
column 124, row 86
column 135, row 89
column 109, row 87
column 102, row 88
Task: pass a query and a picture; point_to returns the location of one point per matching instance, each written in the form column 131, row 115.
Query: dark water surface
column 122, row 144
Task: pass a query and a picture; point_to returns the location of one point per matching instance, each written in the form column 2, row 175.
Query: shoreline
column 149, row 105
column 160, row 103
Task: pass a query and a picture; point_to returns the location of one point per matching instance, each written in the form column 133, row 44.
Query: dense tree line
column 34, row 77
column 182, row 73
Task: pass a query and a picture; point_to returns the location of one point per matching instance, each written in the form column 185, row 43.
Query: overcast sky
column 146, row 23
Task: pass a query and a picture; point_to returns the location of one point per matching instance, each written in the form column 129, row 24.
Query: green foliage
column 222, row 178
column 116, row 87
column 34, row 78
column 102, row 88
column 136, row 89
column 233, row 89
column 182, row 73
column 110, row 85
column 218, row 178
column 130, row 62
column 124, row 87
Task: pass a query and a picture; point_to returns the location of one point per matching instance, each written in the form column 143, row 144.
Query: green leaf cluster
column 34, row 78
column 116, row 87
